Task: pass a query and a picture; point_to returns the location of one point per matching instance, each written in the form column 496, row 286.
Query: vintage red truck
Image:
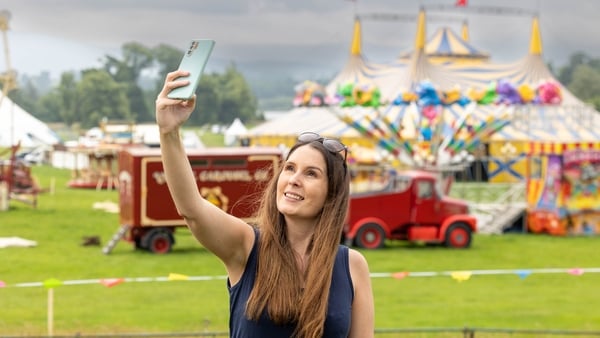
column 231, row 178
column 411, row 206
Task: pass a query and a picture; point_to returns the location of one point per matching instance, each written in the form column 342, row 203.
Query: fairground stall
column 563, row 196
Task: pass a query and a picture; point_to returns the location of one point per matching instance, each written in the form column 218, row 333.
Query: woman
column 289, row 277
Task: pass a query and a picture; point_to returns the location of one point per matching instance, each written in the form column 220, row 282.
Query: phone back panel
column 194, row 60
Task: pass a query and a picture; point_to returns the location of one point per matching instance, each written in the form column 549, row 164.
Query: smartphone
column 193, row 61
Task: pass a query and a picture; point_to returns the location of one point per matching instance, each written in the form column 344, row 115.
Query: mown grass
column 539, row 301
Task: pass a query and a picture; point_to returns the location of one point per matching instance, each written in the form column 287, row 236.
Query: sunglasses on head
column 332, row 145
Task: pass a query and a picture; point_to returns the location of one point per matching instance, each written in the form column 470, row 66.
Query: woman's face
column 302, row 185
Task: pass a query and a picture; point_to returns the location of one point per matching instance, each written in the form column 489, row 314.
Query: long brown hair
column 288, row 296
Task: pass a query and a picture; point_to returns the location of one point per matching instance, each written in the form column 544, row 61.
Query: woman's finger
column 171, row 82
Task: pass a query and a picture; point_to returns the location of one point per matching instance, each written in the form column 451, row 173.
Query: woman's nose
column 294, row 179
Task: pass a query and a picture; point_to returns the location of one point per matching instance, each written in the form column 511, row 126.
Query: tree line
column 114, row 92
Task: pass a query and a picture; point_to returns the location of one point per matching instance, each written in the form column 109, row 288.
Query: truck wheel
column 370, row 236
column 458, row 235
column 160, row 242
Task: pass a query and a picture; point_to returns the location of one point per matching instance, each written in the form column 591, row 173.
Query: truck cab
column 410, row 206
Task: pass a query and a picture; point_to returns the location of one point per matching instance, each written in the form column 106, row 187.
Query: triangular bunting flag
column 575, row 272
column 461, row 276
column 52, row 283
column 400, row 275
column 110, row 282
column 523, row 273
column 177, row 276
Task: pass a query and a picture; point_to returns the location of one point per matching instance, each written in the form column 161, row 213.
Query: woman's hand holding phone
column 194, row 60
column 172, row 113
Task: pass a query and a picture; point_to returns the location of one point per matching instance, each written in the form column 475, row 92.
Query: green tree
column 237, row 99
column 223, row 97
column 565, row 74
column 100, row 97
column 167, row 59
column 208, row 101
column 49, row 107
column 67, row 98
column 136, row 58
column 585, row 84
column 25, row 96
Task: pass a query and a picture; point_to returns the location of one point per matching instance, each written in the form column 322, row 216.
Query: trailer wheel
column 458, row 235
column 160, row 242
column 370, row 236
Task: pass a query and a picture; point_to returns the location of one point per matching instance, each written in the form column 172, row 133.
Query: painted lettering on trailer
column 221, row 176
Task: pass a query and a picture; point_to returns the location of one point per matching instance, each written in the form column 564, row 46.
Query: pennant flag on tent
column 523, row 273
column 400, row 275
column 177, row 276
column 110, row 282
column 2, row 284
column 52, row 283
column 461, row 276
column 575, row 272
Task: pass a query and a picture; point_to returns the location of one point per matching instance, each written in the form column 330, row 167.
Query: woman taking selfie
column 288, row 276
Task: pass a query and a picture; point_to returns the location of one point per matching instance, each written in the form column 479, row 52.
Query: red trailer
column 412, row 207
column 231, row 178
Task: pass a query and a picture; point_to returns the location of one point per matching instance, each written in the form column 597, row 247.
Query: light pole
column 8, row 77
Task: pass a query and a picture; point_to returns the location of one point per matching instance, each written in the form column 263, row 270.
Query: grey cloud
column 294, row 31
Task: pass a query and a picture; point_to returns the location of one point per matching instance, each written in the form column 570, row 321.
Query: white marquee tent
column 233, row 133
column 18, row 125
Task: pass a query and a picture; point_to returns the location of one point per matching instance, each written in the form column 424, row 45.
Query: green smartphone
column 194, row 60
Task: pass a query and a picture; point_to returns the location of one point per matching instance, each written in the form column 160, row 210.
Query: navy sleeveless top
column 337, row 323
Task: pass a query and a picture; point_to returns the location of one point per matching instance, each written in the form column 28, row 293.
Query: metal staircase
column 494, row 218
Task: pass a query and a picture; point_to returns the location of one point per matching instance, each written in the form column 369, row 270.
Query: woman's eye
column 311, row 173
column 289, row 167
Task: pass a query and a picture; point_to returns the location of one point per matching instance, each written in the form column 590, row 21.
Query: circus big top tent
column 449, row 63
column 17, row 125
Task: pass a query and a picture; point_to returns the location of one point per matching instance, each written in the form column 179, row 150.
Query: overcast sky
column 60, row 35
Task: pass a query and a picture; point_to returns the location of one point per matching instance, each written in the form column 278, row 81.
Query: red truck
column 412, row 207
column 231, row 178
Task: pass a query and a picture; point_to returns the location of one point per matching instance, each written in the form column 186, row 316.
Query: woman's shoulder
column 358, row 263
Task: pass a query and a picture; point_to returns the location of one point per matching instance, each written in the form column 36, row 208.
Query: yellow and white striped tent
column 570, row 121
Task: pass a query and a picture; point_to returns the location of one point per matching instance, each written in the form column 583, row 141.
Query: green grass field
column 560, row 301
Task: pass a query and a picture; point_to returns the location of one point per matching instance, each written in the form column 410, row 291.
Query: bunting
column 461, row 276
column 458, row 275
column 110, row 282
